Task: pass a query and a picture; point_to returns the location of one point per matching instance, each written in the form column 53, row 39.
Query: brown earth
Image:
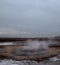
column 6, row 51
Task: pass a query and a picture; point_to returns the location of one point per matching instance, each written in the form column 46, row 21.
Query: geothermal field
column 30, row 52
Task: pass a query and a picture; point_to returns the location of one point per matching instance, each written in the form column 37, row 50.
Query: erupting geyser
column 32, row 48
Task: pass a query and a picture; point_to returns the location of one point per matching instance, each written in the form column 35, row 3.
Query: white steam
column 37, row 45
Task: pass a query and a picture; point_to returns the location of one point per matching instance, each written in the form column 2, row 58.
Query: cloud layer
column 40, row 17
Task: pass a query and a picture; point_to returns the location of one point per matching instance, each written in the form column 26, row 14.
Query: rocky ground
column 51, row 61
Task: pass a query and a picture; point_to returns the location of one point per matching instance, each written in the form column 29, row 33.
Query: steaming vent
column 32, row 48
column 24, row 52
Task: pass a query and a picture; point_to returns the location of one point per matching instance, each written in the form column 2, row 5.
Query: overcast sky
column 30, row 17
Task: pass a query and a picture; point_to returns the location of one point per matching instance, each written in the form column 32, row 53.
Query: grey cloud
column 38, row 16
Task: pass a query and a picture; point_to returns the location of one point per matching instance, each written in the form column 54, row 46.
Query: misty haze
column 29, row 18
